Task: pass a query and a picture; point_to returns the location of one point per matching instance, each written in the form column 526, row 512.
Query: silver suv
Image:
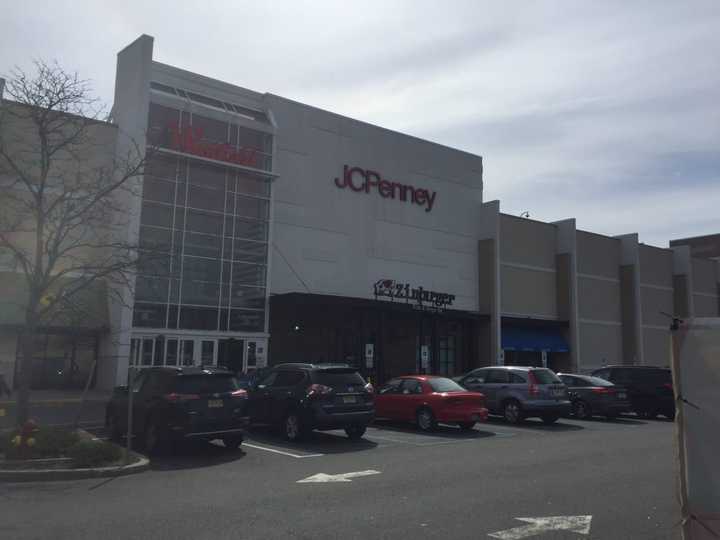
column 519, row 392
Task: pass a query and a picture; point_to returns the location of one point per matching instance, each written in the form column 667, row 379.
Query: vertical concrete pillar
column 683, row 303
column 129, row 112
column 566, row 251
column 489, row 277
column 630, row 299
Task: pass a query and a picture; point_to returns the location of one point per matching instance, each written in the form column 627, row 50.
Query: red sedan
column 427, row 400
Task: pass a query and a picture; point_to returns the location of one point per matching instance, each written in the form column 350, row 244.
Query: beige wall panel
column 656, row 346
column 656, row 266
column 704, row 278
column 598, row 299
column 705, row 306
column 486, row 275
column 528, row 292
column 598, row 255
column 599, row 342
column 653, row 302
column 523, row 241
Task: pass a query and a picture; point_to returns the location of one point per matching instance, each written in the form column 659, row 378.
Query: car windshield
column 204, row 384
column 545, row 376
column 441, row 384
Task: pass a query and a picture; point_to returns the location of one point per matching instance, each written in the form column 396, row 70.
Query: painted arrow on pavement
column 536, row 526
column 344, row 477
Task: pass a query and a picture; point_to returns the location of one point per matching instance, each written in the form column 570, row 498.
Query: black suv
column 649, row 389
column 298, row 398
column 171, row 404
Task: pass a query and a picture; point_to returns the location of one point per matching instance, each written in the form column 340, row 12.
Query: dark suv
column 298, row 398
column 171, row 404
column 519, row 392
column 650, row 389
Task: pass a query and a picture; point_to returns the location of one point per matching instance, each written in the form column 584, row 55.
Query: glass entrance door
column 231, row 354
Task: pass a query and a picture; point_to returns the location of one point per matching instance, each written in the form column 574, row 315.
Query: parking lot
column 611, row 479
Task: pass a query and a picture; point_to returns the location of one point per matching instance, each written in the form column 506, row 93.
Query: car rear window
column 597, row 381
column 338, row 378
column 442, row 384
column 204, row 384
column 658, row 376
column 545, row 376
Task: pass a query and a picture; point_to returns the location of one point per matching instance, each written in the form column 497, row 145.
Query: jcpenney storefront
column 273, row 231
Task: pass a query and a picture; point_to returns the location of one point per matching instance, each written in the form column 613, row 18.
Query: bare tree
column 63, row 201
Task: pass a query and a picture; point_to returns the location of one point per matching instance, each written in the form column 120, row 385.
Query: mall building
column 277, row 232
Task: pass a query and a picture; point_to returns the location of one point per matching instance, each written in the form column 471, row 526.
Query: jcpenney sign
column 365, row 180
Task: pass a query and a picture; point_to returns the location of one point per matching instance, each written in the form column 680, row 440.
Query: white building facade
column 273, row 231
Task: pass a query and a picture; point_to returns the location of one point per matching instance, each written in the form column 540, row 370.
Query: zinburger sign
column 365, row 180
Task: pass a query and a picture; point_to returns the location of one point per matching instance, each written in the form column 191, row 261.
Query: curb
column 34, row 475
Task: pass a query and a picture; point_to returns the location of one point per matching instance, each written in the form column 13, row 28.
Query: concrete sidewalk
column 58, row 407
column 51, row 398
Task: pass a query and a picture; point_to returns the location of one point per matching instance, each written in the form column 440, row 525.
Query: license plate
column 622, row 395
column 558, row 392
column 348, row 399
column 215, row 403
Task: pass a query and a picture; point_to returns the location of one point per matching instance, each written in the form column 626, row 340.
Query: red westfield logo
column 189, row 140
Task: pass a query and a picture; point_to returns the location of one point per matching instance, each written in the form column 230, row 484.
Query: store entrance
column 230, row 354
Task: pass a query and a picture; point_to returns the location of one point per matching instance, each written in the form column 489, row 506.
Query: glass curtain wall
column 203, row 231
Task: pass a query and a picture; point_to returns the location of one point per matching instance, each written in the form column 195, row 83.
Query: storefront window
column 203, row 231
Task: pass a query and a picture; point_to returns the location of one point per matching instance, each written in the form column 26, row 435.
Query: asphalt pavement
column 610, row 479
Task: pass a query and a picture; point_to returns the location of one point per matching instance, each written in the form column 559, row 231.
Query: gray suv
column 518, row 392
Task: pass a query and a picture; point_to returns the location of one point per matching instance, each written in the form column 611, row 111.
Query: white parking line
column 282, row 452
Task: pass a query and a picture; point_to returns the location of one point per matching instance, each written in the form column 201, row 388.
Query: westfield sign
column 365, row 180
column 189, row 141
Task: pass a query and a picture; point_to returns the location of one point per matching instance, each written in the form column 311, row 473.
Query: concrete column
column 130, row 113
column 489, row 275
column 630, row 299
column 567, row 291
column 682, row 281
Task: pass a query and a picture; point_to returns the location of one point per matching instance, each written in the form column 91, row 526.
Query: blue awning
column 518, row 338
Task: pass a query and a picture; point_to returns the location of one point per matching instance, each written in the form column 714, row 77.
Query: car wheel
column 153, row 439
column 426, row 419
column 113, row 428
column 581, row 410
column 549, row 419
column 293, row 428
column 466, row 426
column 512, row 412
column 232, row 441
column 355, row 432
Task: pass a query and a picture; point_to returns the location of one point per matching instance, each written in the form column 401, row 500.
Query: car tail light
column 533, row 389
column 240, row 394
column 603, row 390
column 318, row 390
column 369, row 388
column 175, row 397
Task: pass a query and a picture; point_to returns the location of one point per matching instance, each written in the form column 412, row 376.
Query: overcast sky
column 604, row 111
